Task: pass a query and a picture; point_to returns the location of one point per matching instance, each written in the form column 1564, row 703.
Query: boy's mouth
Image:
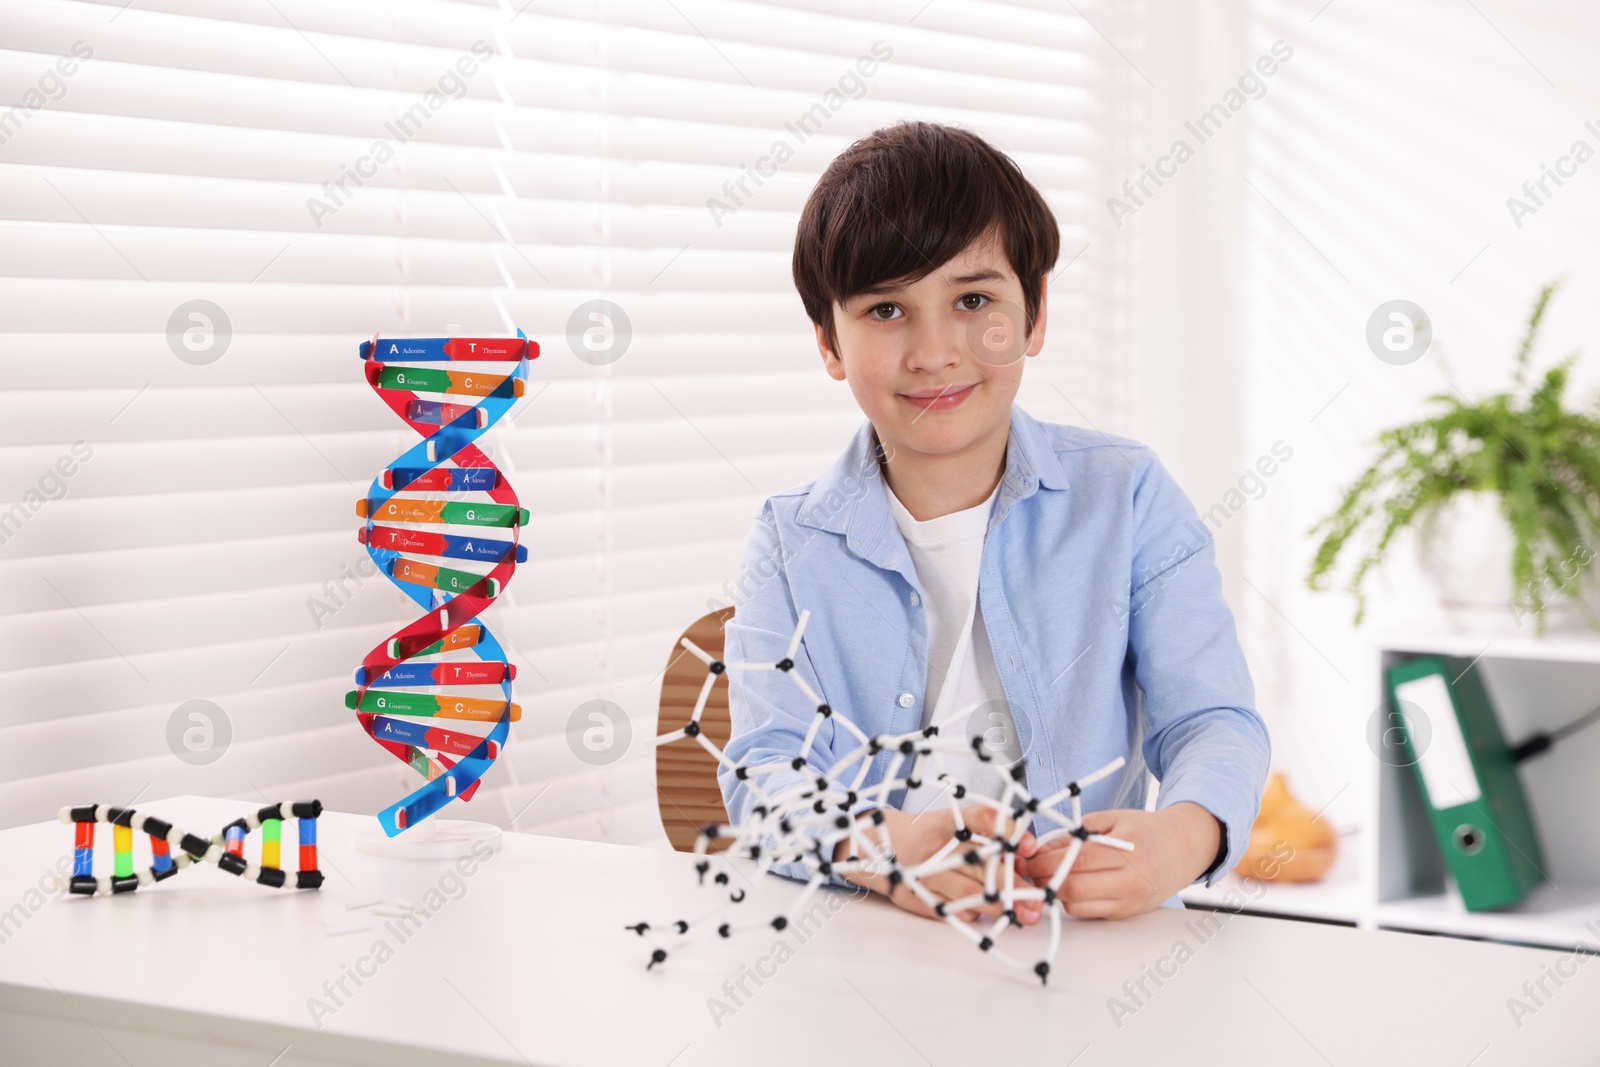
column 939, row 399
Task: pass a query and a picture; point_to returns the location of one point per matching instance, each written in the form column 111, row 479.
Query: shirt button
column 906, row 700
column 915, row 599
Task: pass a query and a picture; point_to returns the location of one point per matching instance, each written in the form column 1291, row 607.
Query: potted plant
column 1522, row 449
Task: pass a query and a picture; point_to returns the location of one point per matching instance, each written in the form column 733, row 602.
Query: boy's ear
column 830, row 359
column 1036, row 338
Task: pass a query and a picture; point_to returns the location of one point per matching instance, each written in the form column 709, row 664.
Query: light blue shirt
column 1102, row 604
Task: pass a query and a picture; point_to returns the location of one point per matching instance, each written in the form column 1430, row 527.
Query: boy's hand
column 915, row 837
column 1172, row 847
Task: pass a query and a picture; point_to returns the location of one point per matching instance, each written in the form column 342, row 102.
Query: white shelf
column 1565, row 917
column 1503, row 641
column 1536, row 684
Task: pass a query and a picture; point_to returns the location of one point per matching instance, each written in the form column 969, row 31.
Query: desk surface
column 529, row 963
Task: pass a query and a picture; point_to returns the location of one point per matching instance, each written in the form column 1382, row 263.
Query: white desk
column 532, row 965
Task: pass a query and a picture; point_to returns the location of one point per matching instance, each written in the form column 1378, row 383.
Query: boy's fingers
column 1093, row 856
column 1064, row 842
column 950, row 885
column 906, row 897
column 1038, row 869
column 1098, row 909
column 1100, row 822
column 1097, row 857
column 983, row 819
column 1096, row 885
column 1049, row 853
column 968, row 865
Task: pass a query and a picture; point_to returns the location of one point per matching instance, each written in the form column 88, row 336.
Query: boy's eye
column 967, row 302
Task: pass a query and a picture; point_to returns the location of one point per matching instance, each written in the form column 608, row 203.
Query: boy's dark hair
column 905, row 200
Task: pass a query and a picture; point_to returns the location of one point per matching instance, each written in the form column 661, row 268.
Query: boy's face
column 935, row 364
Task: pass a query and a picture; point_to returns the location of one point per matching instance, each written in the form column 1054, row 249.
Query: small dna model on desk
column 225, row 848
column 442, row 499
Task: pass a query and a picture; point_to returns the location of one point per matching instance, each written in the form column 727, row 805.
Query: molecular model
column 442, row 500
column 225, row 848
column 804, row 822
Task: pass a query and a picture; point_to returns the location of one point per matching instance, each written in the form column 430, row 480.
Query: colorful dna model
column 224, row 848
column 442, row 499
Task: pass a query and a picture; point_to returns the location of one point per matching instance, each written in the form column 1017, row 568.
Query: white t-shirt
column 947, row 552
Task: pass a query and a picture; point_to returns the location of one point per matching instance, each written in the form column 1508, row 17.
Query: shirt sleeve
column 1206, row 742
column 769, row 713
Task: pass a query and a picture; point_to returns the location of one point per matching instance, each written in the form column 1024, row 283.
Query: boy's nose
column 934, row 348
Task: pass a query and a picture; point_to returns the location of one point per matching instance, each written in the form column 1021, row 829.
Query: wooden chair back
column 686, row 774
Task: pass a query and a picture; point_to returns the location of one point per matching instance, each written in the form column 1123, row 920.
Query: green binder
column 1468, row 780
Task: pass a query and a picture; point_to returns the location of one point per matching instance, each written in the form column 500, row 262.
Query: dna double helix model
column 225, row 848
column 442, row 499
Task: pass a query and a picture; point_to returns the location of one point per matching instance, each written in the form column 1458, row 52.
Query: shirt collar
column 851, row 499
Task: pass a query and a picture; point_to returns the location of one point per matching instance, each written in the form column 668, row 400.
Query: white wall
column 1377, row 166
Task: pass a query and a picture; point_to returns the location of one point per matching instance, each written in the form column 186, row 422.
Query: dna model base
column 436, row 839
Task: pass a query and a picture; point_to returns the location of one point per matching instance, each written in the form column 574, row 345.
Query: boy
column 960, row 552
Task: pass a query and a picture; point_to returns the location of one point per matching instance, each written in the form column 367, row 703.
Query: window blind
column 206, row 204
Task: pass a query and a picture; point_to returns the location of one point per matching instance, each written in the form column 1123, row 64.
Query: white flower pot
column 1464, row 547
